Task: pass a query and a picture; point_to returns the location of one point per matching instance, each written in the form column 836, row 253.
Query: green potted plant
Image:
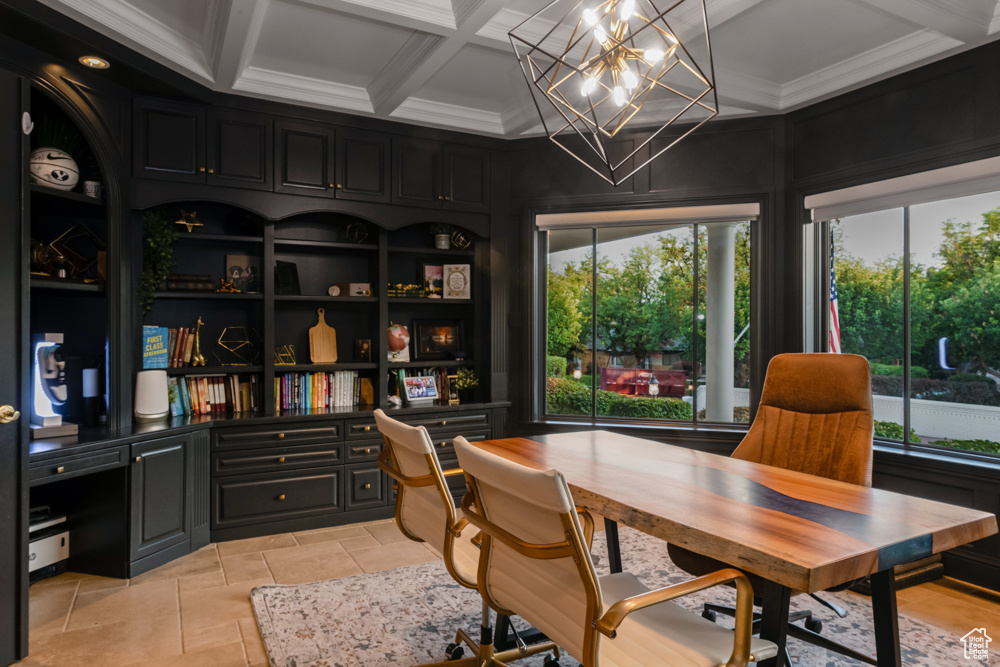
column 466, row 383
column 442, row 234
column 159, row 234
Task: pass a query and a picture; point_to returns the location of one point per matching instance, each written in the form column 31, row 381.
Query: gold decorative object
column 617, row 63
column 459, row 239
column 226, row 287
column 189, row 220
column 284, row 355
column 238, row 346
column 357, row 232
column 197, row 358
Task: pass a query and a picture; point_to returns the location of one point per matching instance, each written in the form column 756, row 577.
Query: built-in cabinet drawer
column 444, row 423
column 363, row 451
column 258, row 498
column 277, row 458
column 366, row 486
column 245, row 438
column 80, row 464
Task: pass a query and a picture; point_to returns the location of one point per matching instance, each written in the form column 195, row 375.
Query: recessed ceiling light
column 95, row 62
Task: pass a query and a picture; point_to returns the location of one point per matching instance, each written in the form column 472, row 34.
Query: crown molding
column 737, row 88
column 284, row 86
column 888, row 58
column 146, row 33
column 995, row 22
column 449, row 115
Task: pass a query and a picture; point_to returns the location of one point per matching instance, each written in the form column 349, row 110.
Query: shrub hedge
column 987, row 446
column 969, row 377
column 555, row 367
column 975, row 393
column 893, row 431
column 893, row 370
column 567, row 397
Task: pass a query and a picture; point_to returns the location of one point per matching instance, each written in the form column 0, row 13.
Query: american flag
column 834, row 316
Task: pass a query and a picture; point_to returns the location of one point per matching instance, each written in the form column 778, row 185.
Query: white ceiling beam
column 407, row 14
column 965, row 20
column 241, row 22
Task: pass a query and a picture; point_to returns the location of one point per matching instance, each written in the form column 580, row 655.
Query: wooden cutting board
column 322, row 342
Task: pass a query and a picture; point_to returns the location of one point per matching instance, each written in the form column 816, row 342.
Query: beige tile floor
column 196, row 610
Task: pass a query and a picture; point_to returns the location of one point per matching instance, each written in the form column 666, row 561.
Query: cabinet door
column 160, row 512
column 240, row 149
column 466, row 179
column 303, row 158
column 169, row 142
column 362, row 165
column 416, row 168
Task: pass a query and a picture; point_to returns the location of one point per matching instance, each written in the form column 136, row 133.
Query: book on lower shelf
column 321, row 390
column 214, row 394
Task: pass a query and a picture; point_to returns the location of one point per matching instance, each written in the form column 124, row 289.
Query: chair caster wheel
column 708, row 614
column 814, row 624
column 454, row 651
column 550, row 661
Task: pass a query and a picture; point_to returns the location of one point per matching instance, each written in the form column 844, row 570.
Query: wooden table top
column 806, row 532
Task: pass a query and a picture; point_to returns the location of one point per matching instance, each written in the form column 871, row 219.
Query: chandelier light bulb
column 589, row 84
column 600, row 35
column 653, row 55
column 627, row 8
column 629, row 78
column 619, row 96
column 590, row 17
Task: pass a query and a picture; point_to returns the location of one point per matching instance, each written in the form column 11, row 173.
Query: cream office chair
column 535, row 563
column 815, row 416
column 425, row 512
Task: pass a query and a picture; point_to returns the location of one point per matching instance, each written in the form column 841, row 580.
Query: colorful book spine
column 155, row 347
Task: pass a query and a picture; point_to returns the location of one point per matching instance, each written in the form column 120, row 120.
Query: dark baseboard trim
column 308, row 523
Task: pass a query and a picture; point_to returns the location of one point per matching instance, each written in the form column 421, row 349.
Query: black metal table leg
column 614, row 550
column 774, row 620
column 886, row 619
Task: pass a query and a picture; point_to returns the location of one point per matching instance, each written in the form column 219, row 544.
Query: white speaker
column 152, row 402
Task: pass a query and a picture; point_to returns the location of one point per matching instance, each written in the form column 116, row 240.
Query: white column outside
column 720, row 318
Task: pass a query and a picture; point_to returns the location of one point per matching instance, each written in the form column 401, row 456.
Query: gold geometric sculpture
column 237, row 346
column 617, row 64
column 284, row 355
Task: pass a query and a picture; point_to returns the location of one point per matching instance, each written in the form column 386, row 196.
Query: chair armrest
column 451, row 472
column 616, row 614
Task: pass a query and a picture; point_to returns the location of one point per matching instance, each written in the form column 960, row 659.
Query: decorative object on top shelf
column 398, row 343
column 432, row 276
column 461, row 239
column 442, row 234
column 465, row 384
column 159, row 234
column 79, row 247
column 286, row 278
column 238, row 346
column 612, row 65
column 284, row 355
column 243, row 271
column 226, row 287
column 197, row 358
column 189, row 282
column 457, row 281
column 92, row 189
column 189, row 220
column 363, row 350
column 408, row 291
column 350, row 289
column 357, row 232
column 53, row 168
column 322, row 341
column 437, row 339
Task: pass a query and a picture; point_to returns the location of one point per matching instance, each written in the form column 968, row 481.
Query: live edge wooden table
column 801, row 532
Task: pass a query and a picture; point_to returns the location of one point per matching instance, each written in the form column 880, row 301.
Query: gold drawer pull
column 281, row 459
column 211, row 171
column 60, row 470
column 281, row 435
column 138, row 459
column 444, row 423
column 442, row 444
column 201, row 169
column 368, row 450
column 368, row 428
column 281, row 497
column 368, row 486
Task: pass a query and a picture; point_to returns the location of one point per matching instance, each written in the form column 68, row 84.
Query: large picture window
column 917, row 292
column 649, row 322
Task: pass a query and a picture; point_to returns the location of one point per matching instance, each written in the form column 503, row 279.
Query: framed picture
column 432, row 278
column 420, row 390
column 457, row 281
column 362, row 350
column 437, row 339
column 243, row 271
column 286, row 278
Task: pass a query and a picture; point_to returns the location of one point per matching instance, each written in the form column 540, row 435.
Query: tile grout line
column 180, row 625
column 268, row 566
column 243, row 644
column 72, row 606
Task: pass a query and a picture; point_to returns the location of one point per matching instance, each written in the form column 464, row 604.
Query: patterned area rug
column 408, row 615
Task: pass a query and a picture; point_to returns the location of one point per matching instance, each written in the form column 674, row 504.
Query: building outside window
column 648, row 322
column 918, row 294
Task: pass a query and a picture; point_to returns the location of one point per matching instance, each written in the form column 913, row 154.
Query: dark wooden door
column 303, row 158
column 240, row 149
column 13, row 435
column 466, row 178
column 160, row 512
column 416, row 168
column 169, row 140
column 362, row 166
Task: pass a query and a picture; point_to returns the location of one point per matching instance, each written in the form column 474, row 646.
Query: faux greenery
column 466, row 379
column 159, row 234
column 893, row 431
column 567, row 397
column 555, row 367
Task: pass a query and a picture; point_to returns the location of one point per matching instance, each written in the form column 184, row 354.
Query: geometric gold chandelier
column 621, row 63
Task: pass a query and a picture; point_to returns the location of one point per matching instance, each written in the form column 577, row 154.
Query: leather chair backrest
column 815, row 416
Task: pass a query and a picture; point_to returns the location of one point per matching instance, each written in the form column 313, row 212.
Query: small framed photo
column 286, row 278
column 452, row 391
column 437, row 339
column 363, row 350
column 432, row 278
column 457, row 281
column 420, row 390
column 243, row 271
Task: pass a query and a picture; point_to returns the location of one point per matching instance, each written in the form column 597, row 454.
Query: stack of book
column 214, row 394
column 167, row 347
column 321, row 391
column 188, row 282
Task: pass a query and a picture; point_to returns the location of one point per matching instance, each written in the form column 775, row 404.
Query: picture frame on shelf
column 457, row 281
column 452, row 391
column 437, row 339
column 286, row 278
column 362, row 350
column 420, row 390
column 432, row 278
column 243, row 271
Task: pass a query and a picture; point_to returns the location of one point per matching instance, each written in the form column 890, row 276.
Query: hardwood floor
column 196, row 610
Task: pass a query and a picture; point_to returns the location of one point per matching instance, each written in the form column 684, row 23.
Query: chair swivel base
column 483, row 653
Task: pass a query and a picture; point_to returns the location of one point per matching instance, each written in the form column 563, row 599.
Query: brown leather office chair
column 816, row 417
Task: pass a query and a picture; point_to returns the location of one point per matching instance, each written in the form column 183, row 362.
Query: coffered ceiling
column 449, row 63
